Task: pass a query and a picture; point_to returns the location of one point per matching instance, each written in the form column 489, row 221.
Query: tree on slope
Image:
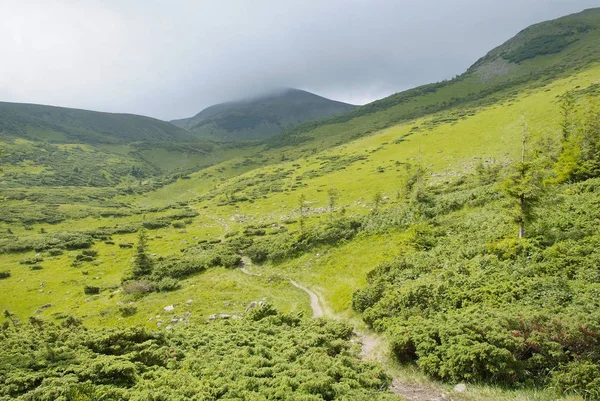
column 523, row 186
column 142, row 263
column 580, row 148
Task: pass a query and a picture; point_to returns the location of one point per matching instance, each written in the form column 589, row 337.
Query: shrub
column 32, row 261
column 127, row 310
column 156, row 223
column 168, row 284
column 4, row 274
column 178, row 268
column 579, row 377
column 138, row 287
column 55, row 251
column 35, row 267
column 91, row 290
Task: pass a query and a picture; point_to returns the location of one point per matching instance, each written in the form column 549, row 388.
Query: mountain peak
column 261, row 116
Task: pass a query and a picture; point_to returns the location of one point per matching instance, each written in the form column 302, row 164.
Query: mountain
column 66, row 125
column 405, row 213
column 537, row 54
column 73, row 147
column 261, row 117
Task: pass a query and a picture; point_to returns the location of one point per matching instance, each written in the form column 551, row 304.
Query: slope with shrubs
column 266, row 355
column 468, row 300
column 431, row 201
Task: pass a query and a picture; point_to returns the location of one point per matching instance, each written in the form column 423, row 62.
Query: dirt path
column 245, row 263
column 373, row 348
column 315, row 305
column 314, row 299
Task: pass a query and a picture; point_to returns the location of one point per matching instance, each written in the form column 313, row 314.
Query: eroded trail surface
column 315, row 305
column 372, row 349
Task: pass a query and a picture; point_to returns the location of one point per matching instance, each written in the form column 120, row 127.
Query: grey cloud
column 171, row 59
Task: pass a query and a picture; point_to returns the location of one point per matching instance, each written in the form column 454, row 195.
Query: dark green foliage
column 580, row 155
column 286, row 245
column 31, row 261
column 168, row 284
column 539, row 46
column 262, row 117
column 466, row 303
column 91, row 290
column 127, row 310
column 4, row 274
column 61, row 240
column 142, row 263
column 55, row 252
column 82, row 126
column 268, row 355
column 179, row 268
column 156, row 223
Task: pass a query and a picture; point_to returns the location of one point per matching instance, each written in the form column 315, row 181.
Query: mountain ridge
column 261, row 116
column 70, row 125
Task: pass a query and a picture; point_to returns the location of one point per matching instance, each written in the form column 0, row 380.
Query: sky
column 171, row 59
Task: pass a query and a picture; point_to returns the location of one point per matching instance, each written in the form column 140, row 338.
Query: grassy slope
column 446, row 149
column 450, row 142
column 333, row 274
column 65, row 125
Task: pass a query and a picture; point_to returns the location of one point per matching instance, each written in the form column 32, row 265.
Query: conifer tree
column 580, row 147
column 523, row 186
column 332, row 197
column 142, row 263
column 302, row 207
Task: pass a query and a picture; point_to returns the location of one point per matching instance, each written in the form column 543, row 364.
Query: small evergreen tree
column 142, row 263
column 302, row 208
column 567, row 109
column 377, row 199
column 580, row 151
column 332, row 197
column 523, row 186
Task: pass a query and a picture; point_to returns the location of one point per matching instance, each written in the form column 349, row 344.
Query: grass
column 446, row 150
column 359, row 158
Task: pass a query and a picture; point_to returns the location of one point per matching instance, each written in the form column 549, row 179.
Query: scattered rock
column 252, row 305
column 46, row 306
column 169, row 308
column 219, row 316
column 189, row 301
column 460, row 388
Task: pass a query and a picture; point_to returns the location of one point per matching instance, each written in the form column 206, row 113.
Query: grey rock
column 460, row 388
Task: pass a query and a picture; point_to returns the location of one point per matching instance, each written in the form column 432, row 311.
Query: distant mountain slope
column 65, row 125
column 538, row 54
column 261, row 117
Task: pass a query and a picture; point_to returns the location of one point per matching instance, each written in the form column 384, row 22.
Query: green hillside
column 536, row 56
column 64, row 125
column 261, row 117
column 396, row 222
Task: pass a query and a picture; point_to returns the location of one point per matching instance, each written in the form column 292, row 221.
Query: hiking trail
column 372, row 347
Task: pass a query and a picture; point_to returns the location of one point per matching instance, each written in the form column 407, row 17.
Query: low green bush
column 91, row 290
column 277, row 356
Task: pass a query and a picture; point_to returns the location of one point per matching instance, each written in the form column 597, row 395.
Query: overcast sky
column 170, row 59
